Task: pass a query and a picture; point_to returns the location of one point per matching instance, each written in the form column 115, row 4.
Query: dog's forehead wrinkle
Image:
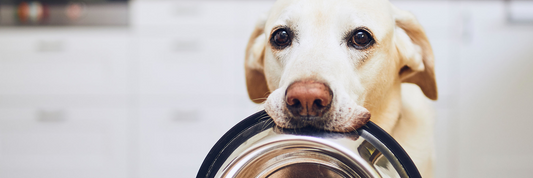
column 283, row 13
column 301, row 70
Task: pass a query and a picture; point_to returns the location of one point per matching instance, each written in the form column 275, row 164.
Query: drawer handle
column 187, row 11
column 50, row 46
column 519, row 12
column 186, row 116
column 45, row 115
column 186, row 46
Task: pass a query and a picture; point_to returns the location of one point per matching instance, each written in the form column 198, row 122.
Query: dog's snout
column 308, row 98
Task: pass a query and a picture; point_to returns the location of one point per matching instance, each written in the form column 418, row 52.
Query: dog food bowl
column 257, row 148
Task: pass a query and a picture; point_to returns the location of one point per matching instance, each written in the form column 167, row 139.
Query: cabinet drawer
column 184, row 13
column 89, row 140
column 175, row 138
column 65, row 65
column 63, row 73
column 189, row 65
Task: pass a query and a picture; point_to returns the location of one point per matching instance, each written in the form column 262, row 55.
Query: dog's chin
column 342, row 117
column 323, row 124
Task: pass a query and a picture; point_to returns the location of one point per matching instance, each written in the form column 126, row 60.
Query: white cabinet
column 64, row 142
column 65, row 102
column 483, row 67
column 185, row 62
column 496, row 80
column 149, row 100
column 184, row 13
column 175, row 139
column 191, row 79
column 64, row 62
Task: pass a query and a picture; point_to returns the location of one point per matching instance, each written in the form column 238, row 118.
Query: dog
column 334, row 65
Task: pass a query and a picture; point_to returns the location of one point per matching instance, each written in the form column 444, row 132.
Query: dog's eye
column 281, row 39
column 361, row 39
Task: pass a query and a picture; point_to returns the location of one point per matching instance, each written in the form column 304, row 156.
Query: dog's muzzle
column 309, row 103
column 255, row 147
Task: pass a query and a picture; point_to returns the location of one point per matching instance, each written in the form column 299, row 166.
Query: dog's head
column 329, row 64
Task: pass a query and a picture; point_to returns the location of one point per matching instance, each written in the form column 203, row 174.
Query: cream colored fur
column 369, row 79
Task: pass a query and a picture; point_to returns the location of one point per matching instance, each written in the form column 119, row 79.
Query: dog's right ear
column 254, row 64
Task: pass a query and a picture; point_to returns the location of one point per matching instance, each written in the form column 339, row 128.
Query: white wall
column 149, row 100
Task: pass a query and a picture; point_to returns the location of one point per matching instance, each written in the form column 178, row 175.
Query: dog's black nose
column 308, row 98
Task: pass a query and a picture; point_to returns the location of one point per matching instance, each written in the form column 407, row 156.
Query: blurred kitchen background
column 143, row 89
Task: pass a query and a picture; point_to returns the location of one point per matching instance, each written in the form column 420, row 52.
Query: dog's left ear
column 415, row 53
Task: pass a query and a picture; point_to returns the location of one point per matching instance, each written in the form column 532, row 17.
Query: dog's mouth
column 312, row 113
column 311, row 104
column 336, row 122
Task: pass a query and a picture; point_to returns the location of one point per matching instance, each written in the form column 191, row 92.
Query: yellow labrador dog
column 334, row 65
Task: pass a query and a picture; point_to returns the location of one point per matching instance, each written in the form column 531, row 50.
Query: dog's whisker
column 352, row 127
column 259, row 99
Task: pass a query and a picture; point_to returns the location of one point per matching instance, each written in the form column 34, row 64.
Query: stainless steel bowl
column 256, row 147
